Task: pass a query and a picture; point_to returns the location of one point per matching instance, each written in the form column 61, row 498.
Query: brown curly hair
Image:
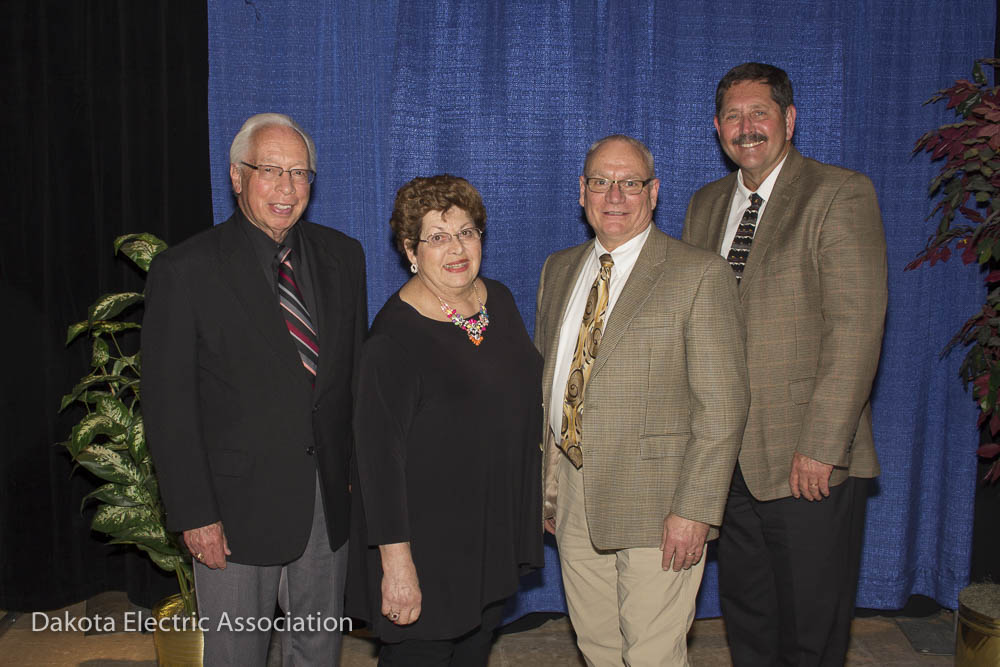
column 432, row 193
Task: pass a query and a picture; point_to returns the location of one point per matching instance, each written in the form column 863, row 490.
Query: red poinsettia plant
column 968, row 185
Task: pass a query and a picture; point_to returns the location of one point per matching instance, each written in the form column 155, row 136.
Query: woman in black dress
column 447, row 420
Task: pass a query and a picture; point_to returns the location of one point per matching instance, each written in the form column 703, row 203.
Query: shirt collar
column 264, row 244
column 625, row 254
column 764, row 191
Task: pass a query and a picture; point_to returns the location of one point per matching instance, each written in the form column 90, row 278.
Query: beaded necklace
column 475, row 328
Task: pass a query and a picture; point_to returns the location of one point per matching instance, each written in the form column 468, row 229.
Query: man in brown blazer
column 645, row 392
column 806, row 241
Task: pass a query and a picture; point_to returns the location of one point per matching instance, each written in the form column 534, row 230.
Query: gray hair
column 647, row 155
column 244, row 138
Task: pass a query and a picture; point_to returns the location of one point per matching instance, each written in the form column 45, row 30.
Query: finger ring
column 394, row 616
column 813, row 486
column 691, row 553
column 198, row 555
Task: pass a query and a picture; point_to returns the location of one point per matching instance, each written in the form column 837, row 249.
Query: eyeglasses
column 269, row 172
column 441, row 239
column 628, row 186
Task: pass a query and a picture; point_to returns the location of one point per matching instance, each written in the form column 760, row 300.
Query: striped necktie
column 587, row 343
column 740, row 249
column 297, row 318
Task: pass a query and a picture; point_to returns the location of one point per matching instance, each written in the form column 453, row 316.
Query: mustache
column 749, row 137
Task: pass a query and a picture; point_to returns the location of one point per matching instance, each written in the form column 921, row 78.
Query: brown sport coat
column 667, row 398
column 814, row 299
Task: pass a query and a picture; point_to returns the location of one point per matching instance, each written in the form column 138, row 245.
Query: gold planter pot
column 977, row 640
column 178, row 640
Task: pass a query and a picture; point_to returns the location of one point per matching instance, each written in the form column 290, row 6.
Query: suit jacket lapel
column 648, row 267
column 777, row 214
column 718, row 216
column 326, row 280
column 240, row 270
column 561, row 280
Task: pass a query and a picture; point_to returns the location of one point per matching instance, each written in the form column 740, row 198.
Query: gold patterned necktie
column 740, row 249
column 583, row 359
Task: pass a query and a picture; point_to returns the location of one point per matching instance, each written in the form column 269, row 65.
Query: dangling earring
column 413, row 268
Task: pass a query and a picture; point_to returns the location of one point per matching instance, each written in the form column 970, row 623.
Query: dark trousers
column 470, row 650
column 788, row 574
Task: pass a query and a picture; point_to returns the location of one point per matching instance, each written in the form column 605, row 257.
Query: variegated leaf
column 140, row 248
column 120, row 495
column 150, row 533
column 90, row 381
column 136, row 440
column 115, row 409
column 66, row 400
column 111, row 519
column 110, row 305
column 89, row 428
column 104, row 326
column 152, row 485
column 127, row 361
column 74, row 330
column 108, row 464
column 99, row 355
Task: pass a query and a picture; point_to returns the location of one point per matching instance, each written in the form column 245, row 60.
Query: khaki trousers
column 625, row 609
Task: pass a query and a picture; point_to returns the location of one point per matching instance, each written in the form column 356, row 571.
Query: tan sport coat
column 814, row 299
column 667, row 397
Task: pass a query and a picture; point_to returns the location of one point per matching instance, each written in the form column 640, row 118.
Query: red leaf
column 993, row 276
column 988, row 451
column 960, row 95
column 971, row 213
column 994, row 423
column 939, row 255
column 969, row 255
column 993, row 116
column 943, row 149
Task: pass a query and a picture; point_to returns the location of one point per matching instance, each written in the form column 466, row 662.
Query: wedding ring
column 198, row 555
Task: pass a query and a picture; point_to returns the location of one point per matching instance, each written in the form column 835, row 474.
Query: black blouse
column 448, row 459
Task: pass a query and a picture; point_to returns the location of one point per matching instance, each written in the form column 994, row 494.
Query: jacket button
column 310, row 450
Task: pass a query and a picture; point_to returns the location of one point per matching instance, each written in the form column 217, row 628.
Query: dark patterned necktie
column 587, row 343
column 293, row 307
column 740, row 249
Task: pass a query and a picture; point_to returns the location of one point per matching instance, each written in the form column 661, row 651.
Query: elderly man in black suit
column 250, row 341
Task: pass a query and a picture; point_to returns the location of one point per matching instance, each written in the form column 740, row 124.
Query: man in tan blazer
column 654, row 420
column 807, row 240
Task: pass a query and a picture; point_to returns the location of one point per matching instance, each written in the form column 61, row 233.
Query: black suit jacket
column 235, row 429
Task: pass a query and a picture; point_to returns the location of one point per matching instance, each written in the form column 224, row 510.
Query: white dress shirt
column 741, row 202
column 624, row 257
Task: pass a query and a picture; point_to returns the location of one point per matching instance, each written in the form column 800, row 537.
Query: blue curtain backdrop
column 510, row 94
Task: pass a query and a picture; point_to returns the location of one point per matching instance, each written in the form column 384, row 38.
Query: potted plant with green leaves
column 968, row 212
column 109, row 441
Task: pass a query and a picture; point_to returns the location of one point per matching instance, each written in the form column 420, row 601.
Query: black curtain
column 105, row 131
